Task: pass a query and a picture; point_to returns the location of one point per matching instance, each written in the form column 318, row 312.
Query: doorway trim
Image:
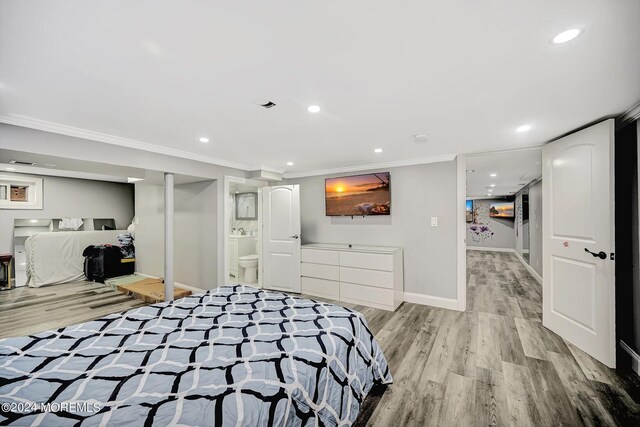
column 461, row 232
column 227, row 215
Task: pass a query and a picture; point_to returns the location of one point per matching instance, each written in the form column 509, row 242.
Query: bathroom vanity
column 366, row 275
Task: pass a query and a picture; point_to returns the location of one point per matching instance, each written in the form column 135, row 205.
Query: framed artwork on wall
column 246, row 206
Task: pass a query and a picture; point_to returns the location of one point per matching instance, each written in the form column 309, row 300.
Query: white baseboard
column 489, row 249
column 529, row 268
column 182, row 285
column 448, row 303
column 635, row 359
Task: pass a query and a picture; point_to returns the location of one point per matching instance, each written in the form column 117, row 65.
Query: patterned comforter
column 234, row 356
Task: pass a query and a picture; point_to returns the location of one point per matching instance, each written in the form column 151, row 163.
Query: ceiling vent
column 32, row 164
column 264, row 103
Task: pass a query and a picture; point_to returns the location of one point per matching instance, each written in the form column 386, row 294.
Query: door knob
column 600, row 254
column 295, row 236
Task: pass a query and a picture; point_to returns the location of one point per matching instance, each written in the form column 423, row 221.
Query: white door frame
column 461, row 232
column 227, row 215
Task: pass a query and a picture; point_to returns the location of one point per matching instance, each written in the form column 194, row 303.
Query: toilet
column 250, row 265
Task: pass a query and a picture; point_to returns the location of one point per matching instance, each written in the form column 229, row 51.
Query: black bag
column 102, row 262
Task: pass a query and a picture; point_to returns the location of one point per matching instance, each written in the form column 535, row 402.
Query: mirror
column 246, row 206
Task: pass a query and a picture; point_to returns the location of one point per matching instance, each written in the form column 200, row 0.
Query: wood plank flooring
column 25, row 311
column 493, row 365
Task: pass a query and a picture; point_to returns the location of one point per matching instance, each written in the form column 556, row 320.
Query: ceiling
column 512, row 169
column 160, row 75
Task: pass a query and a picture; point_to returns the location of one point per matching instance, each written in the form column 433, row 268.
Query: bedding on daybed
column 234, row 355
column 54, row 258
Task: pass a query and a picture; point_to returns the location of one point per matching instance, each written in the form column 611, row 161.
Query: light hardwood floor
column 492, row 365
column 24, row 311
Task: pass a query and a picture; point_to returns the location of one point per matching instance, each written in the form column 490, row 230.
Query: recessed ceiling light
column 566, row 36
column 523, row 128
column 493, row 185
column 33, row 220
column 313, row 109
column 203, row 139
column 493, row 175
column 10, row 169
column 289, row 163
column 489, row 194
column 378, row 150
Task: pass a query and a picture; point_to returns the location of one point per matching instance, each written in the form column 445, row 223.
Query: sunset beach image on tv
column 501, row 210
column 358, row 195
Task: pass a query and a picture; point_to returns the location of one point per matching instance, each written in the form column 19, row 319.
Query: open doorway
column 243, row 231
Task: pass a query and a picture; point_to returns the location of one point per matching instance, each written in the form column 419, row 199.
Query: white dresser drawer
column 321, row 271
column 367, row 260
column 377, row 278
column 366, row 295
column 321, row 288
column 320, row 257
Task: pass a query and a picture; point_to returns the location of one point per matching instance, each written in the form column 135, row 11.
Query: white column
column 168, row 237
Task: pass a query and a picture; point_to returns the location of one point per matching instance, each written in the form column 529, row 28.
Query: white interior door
column 578, row 240
column 281, row 238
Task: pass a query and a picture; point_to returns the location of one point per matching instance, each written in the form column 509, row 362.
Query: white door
column 281, row 238
column 578, row 290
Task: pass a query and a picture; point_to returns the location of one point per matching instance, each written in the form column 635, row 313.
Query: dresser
column 358, row 274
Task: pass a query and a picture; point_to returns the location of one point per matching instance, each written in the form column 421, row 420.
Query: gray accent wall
column 73, row 198
column 535, row 227
column 417, row 193
column 195, row 232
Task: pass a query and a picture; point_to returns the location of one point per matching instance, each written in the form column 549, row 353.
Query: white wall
column 417, row 193
column 535, row 227
column 195, row 232
column 76, row 198
column 502, row 229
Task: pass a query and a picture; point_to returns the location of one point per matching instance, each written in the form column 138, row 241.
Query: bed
column 55, row 258
column 235, row 355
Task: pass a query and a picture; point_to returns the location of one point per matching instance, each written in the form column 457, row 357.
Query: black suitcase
column 102, row 262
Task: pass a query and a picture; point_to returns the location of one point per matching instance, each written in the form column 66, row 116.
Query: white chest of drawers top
column 366, row 275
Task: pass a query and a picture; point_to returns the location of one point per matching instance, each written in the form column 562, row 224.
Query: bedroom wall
column 70, row 197
column 195, row 232
column 417, row 193
column 41, row 142
column 503, row 236
column 535, row 227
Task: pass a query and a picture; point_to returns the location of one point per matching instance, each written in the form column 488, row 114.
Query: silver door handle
column 295, row 236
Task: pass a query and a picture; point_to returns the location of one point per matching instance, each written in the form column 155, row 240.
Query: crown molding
column 383, row 165
column 631, row 115
column 61, row 129
column 46, row 126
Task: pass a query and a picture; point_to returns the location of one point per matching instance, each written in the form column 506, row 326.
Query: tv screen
column 501, row 210
column 358, row 195
column 469, row 210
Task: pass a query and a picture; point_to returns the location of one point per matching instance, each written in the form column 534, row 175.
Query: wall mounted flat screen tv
column 501, row 210
column 469, row 210
column 358, row 195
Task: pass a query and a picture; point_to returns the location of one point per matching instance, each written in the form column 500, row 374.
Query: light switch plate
column 434, row 221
